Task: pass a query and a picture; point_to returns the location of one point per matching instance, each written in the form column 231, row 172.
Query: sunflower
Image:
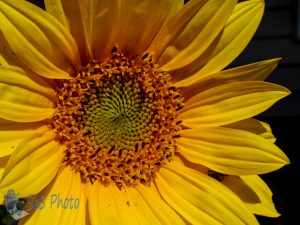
column 121, row 112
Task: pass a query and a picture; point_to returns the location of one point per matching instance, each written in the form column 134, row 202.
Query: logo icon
column 14, row 206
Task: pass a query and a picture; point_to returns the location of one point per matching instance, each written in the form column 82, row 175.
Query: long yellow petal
column 11, row 135
column 162, row 210
column 193, row 33
column 93, row 24
column 266, row 206
column 7, row 56
column 16, row 76
column 78, row 18
column 254, row 126
column 110, row 205
column 231, row 102
column 237, row 33
column 142, row 211
column 254, row 192
column 51, row 52
column 62, row 202
column 258, row 71
column 140, row 22
column 33, row 164
column 200, row 199
column 98, row 26
column 24, row 97
column 231, row 151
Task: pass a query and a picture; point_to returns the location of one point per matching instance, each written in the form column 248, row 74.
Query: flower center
column 118, row 120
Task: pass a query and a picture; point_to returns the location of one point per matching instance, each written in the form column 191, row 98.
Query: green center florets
column 118, row 120
column 118, row 113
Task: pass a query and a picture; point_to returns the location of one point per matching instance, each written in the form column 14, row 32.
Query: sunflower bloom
column 121, row 112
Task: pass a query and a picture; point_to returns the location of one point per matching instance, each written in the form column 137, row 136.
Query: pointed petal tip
column 275, row 60
column 282, row 161
column 286, row 92
column 287, row 161
column 283, row 90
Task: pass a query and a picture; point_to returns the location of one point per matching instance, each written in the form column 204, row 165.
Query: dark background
column 277, row 36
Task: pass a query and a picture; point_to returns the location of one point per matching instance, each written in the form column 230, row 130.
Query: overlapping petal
column 229, row 103
column 15, row 76
column 231, row 151
column 160, row 208
column 33, row 164
column 12, row 134
column 190, row 32
column 236, row 35
column 98, row 26
column 258, row 71
column 200, row 199
column 141, row 20
column 254, row 192
column 254, row 126
column 40, row 42
column 57, row 207
column 7, row 55
column 82, row 18
column 24, row 98
column 110, row 205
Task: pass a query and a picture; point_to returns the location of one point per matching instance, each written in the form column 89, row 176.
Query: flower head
column 126, row 106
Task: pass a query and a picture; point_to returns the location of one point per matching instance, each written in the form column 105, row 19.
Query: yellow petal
column 141, row 209
column 8, row 147
column 3, row 61
column 3, row 162
column 107, row 205
column 56, row 9
column 254, row 126
column 231, row 102
column 182, row 73
column 51, row 52
column 192, row 33
column 92, row 24
column 231, row 151
column 98, row 26
column 140, row 22
column 110, row 205
column 237, row 33
column 7, row 56
column 165, row 214
column 62, row 202
column 33, row 164
column 16, row 76
column 254, row 192
column 200, row 199
column 252, row 72
column 266, row 206
column 78, row 18
column 24, row 102
column 11, row 134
